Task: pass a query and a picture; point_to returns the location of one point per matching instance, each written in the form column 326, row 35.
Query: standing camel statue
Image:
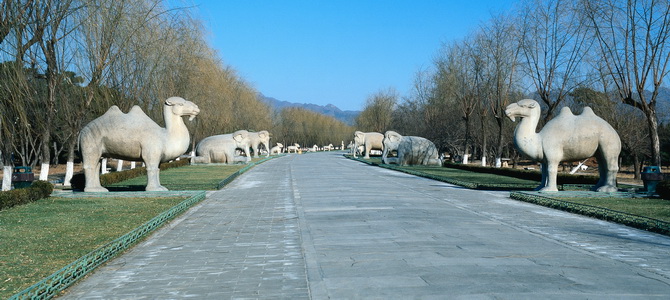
column 567, row 137
column 134, row 136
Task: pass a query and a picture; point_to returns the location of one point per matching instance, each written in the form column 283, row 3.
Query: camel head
column 182, row 107
column 523, row 109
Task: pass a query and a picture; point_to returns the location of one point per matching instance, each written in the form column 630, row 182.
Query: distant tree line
column 308, row 128
column 64, row 63
column 612, row 55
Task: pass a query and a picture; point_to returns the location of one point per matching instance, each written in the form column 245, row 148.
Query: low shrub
column 78, row 181
column 38, row 190
column 663, row 188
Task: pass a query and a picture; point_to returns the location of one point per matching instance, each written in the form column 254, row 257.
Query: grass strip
column 464, row 178
column 642, row 213
column 39, row 238
column 191, row 177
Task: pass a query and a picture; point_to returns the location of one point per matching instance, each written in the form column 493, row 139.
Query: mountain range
column 349, row 116
column 346, row 116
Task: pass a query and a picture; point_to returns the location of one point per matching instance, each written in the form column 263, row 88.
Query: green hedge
column 78, row 181
column 663, row 188
column 561, row 178
column 38, row 190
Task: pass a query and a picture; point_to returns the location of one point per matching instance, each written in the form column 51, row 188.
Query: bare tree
column 457, row 69
column 633, row 43
column 554, row 41
column 55, row 17
column 501, row 49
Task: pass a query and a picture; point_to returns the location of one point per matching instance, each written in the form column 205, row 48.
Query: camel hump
column 588, row 111
column 565, row 111
column 136, row 110
column 113, row 110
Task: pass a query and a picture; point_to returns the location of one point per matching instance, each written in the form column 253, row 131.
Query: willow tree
column 456, row 80
column 377, row 114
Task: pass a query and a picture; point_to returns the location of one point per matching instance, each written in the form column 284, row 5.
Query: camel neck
column 177, row 133
column 527, row 139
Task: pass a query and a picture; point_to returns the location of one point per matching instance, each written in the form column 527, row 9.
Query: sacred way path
column 320, row 226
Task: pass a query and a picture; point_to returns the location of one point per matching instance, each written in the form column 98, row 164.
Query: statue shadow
column 126, row 188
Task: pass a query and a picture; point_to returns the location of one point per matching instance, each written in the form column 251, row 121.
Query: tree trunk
column 466, row 142
column 500, row 146
column 637, row 166
column 652, row 123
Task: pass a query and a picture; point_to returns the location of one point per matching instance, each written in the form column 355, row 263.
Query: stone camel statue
column 567, row 137
column 135, row 137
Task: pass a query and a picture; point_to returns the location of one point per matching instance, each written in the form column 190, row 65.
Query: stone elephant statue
column 411, row 150
column 260, row 138
column 221, row 148
column 369, row 140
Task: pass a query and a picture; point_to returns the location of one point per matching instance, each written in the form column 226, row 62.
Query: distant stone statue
column 567, row 137
column 369, row 141
column 221, row 148
column 135, row 137
column 258, row 138
column 277, row 149
column 295, row 148
column 411, row 150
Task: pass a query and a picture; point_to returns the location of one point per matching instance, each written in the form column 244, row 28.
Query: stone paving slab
column 320, row 226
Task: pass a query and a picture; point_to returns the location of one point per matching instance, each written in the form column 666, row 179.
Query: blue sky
column 336, row 52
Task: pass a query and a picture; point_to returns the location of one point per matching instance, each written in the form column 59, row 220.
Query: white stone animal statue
column 411, row 150
column 221, row 148
column 369, row 140
column 277, row 149
column 136, row 137
column 260, row 138
column 330, row 147
column 567, row 137
column 295, row 148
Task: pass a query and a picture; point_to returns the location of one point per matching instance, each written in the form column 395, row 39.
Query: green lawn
column 40, row 238
column 191, row 177
column 480, row 178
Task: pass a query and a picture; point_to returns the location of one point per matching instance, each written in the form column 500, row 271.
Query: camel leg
column 92, row 174
column 367, row 151
column 608, row 167
column 551, row 170
column 153, row 179
column 153, row 173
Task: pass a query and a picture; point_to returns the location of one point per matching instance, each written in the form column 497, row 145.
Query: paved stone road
column 319, row 226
